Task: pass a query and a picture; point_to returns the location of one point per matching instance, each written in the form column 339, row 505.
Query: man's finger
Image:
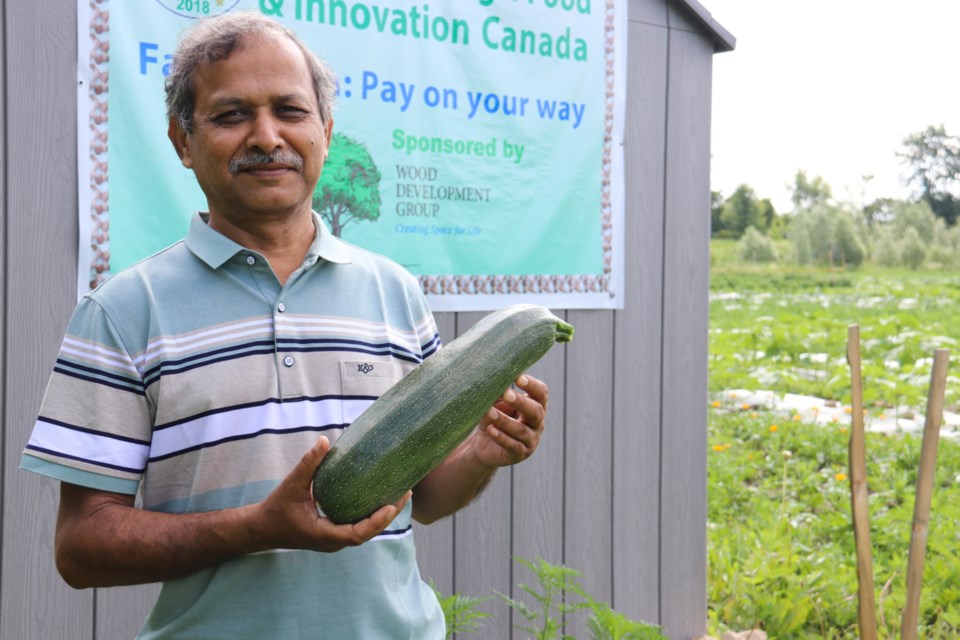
column 380, row 519
column 311, row 459
column 535, row 388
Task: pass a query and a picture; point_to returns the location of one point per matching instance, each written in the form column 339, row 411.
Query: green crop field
column 781, row 550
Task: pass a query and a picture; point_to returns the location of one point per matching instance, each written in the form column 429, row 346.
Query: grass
column 781, row 551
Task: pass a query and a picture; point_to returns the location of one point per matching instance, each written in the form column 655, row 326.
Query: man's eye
column 230, row 117
column 292, row 112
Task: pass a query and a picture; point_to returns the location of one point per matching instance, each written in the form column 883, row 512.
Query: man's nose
column 265, row 133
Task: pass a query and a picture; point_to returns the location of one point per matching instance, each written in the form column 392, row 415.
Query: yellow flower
column 773, row 428
column 796, row 417
column 840, row 477
column 721, row 447
column 715, row 404
column 754, row 414
column 745, row 406
column 843, row 429
column 847, row 410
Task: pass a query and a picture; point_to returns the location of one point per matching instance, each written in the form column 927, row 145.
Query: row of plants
column 770, row 332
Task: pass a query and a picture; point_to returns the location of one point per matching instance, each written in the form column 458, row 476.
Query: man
column 197, row 379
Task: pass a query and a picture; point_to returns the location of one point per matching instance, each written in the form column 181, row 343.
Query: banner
column 478, row 143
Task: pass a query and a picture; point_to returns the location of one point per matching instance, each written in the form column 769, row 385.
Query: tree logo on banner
column 349, row 187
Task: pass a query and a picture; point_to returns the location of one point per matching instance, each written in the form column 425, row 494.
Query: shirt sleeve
column 424, row 322
column 95, row 422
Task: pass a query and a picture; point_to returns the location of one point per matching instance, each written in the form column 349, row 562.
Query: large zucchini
column 412, row 427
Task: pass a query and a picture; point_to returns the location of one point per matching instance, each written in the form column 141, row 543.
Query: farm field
column 781, row 549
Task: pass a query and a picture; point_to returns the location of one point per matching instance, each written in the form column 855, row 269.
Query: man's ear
column 178, row 137
column 329, row 132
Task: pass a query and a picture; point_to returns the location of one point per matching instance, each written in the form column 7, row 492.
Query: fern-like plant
column 559, row 595
column 606, row 624
column 545, row 619
column 461, row 613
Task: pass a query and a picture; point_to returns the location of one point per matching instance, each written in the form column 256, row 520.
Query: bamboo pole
column 924, row 493
column 866, row 606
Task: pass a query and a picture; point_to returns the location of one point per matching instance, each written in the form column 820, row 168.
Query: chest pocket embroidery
column 368, row 377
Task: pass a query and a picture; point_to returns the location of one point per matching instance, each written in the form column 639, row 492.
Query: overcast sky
column 831, row 87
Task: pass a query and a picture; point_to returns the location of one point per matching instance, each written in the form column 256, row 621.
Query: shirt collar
column 215, row 249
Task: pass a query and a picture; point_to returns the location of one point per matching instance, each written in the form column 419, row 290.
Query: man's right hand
column 102, row 540
column 288, row 518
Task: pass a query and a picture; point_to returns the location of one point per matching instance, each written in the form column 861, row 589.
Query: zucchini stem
column 564, row 331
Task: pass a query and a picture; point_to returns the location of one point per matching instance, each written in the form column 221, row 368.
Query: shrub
column 945, row 251
column 847, row 247
column 915, row 215
column 756, row 247
column 825, row 234
column 913, row 252
column 884, row 250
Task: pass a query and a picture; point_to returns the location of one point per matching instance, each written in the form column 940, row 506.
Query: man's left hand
column 511, row 430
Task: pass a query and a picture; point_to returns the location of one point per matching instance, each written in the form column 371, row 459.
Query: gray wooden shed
column 618, row 488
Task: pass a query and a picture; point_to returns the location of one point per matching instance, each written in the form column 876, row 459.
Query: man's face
column 258, row 144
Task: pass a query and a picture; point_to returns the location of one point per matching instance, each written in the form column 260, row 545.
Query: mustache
column 254, row 158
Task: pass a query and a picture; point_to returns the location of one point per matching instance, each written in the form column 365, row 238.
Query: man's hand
column 511, row 430
column 288, row 517
column 102, row 540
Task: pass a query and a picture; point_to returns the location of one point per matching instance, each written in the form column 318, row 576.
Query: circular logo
column 198, row 8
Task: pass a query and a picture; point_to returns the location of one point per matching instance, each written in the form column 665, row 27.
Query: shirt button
column 288, row 361
column 251, row 260
column 281, row 307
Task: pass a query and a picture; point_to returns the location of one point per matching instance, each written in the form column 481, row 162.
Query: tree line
column 921, row 230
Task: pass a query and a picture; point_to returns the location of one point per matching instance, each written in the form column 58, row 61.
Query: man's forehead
column 267, row 57
column 268, row 48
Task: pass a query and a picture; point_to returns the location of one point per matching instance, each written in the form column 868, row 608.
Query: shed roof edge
column 723, row 39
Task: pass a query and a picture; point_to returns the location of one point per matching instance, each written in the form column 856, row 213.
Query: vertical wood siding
column 637, row 412
column 618, row 487
column 686, row 241
column 41, row 236
column 3, row 282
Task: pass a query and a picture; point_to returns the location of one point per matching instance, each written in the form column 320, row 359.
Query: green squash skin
column 419, row 421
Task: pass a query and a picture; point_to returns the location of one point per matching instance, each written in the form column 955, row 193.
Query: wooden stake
column 921, row 506
column 866, row 606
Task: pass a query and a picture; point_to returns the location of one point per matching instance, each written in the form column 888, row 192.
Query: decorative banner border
column 445, row 292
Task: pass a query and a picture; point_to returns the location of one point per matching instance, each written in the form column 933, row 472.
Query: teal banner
column 476, row 142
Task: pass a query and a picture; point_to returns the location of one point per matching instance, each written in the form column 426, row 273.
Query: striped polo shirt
column 196, row 381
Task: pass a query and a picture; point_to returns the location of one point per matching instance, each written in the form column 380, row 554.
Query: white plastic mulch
column 815, row 410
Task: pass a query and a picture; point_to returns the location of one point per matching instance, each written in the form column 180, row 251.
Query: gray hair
column 214, row 39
